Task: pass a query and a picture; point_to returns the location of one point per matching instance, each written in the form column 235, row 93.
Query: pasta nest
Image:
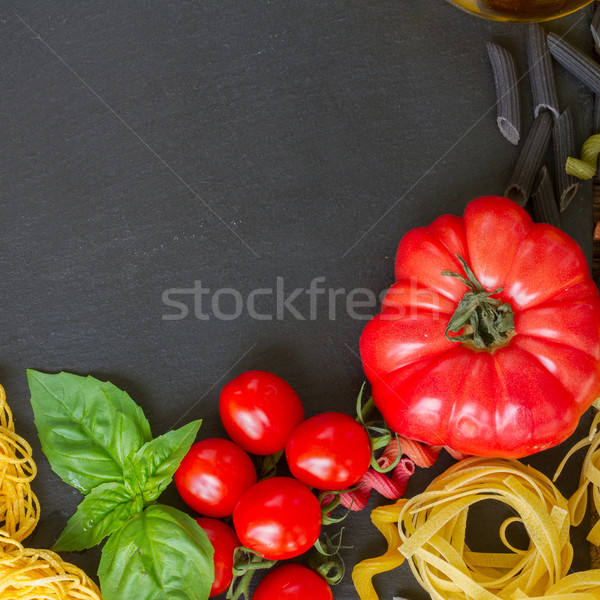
column 429, row 532
column 589, row 480
column 25, row 573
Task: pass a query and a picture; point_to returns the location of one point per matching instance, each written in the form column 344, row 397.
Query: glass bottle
column 520, row 10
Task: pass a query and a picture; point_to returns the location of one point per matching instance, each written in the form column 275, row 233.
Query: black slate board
column 150, row 145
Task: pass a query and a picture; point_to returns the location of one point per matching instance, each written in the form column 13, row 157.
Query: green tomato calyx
column 485, row 322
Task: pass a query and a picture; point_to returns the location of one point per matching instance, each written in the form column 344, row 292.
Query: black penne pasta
column 541, row 71
column 563, row 138
column 508, row 104
column 575, row 61
column 530, row 159
column 543, row 199
column 595, row 27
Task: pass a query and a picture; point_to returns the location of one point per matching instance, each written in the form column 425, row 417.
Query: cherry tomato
column 292, row 582
column 278, row 517
column 224, row 541
column 330, row 451
column 259, row 410
column 213, row 475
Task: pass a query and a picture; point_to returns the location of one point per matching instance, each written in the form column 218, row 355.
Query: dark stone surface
column 149, row 145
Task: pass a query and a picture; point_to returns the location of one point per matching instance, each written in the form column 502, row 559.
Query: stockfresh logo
column 311, row 303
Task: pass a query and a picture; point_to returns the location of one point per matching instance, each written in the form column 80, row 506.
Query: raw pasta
column 541, row 72
column 19, row 507
column 590, row 478
column 545, row 207
column 595, row 27
column 530, row 159
column 508, row 104
column 586, row 166
column 563, row 137
column 575, row 61
column 429, row 531
column 25, row 573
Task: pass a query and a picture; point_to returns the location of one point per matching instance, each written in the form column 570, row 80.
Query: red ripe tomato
column 213, row 475
column 292, row 582
column 501, row 362
column 278, row 517
column 224, row 541
column 259, row 410
column 329, row 451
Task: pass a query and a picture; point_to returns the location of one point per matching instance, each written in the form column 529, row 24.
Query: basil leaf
column 154, row 464
column 87, row 427
column 160, row 554
column 104, row 510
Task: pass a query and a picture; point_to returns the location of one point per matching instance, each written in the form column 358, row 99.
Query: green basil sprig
column 104, row 510
column 97, row 439
column 88, row 428
column 158, row 549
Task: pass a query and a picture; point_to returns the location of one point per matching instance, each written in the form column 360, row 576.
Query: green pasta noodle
column 586, row 166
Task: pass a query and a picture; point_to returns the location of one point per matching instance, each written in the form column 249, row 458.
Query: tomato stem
column 245, row 563
column 327, row 560
column 485, row 321
column 267, row 465
column 329, row 501
column 379, row 434
column 363, row 411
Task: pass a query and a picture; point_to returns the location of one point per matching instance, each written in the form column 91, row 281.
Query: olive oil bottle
column 520, row 10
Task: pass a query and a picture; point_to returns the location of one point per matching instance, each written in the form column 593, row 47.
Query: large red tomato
column 501, row 361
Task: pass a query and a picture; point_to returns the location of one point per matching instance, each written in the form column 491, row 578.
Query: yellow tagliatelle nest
column 590, row 477
column 429, row 530
column 25, row 573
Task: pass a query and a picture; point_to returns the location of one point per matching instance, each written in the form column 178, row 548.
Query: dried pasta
column 595, row 27
column 563, row 136
column 545, row 208
column 541, row 72
column 19, row 507
column 507, row 92
column 596, row 115
column 586, row 166
column 429, row 530
column 579, row 64
column 25, row 573
column 530, row 159
column 590, row 478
